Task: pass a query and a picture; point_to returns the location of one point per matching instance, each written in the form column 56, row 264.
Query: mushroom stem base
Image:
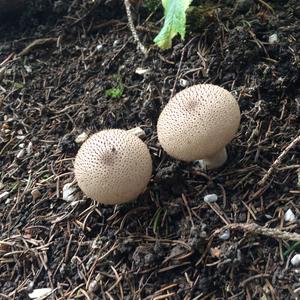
column 215, row 161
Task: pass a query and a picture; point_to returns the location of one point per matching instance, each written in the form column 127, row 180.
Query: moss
column 117, row 89
column 115, row 92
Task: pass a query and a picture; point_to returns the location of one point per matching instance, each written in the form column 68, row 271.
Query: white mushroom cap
column 113, row 166
column 198, row 122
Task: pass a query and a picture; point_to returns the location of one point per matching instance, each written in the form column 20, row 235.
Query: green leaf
column 115, row 92
column 175, row 19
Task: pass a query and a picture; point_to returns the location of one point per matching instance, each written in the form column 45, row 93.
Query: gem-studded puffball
column 113, row 166
column 198, row 122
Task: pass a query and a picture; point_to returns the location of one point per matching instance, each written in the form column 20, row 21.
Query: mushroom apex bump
column 198, row 122
column 113, row 166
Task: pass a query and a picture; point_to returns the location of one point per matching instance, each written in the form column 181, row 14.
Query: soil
column 169, row 244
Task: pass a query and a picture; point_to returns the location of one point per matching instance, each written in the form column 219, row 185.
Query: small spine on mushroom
column 215, row 161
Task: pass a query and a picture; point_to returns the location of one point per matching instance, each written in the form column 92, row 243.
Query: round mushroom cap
column 198, row 122
column 113, row 166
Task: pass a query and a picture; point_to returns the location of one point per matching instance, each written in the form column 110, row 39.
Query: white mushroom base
column 215, row 161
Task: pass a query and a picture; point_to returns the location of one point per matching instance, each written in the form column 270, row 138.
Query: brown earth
column 58, row 64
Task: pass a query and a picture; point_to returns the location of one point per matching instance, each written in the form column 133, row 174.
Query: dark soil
column 166, row 245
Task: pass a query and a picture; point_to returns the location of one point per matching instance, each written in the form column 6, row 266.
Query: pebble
column 30, row 286
column 116, row 43
column 28, row 68
column 81, row 138
column 4, row 195
column 99, row 47
column 93, row 286
column 183, row 82
column 39, row 293
column 289, row 216
column 295, row 261
column 142, row 71
column 225, row 235
column 210, row 198
column 68, row 192
column 273, row 39
column 35, row 193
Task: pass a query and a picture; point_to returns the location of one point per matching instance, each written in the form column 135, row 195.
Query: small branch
column 132, row 28
column 37, row 43
column 278, row 160
column 256, row 229
column 268, row 6
column 180, row 64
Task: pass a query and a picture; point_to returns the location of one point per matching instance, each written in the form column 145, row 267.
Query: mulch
column 57, row 64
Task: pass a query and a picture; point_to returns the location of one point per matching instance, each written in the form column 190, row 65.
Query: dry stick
column 132, row 28
column 37, row 43
column 268, row 6
column 278, row 160
column 256, row 229
column 7, row 59
column 180, row 63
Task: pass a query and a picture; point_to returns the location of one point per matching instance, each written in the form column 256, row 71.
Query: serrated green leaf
column 175, row 19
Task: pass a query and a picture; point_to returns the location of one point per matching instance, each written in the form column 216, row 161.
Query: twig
column 132, row 28
column 180, row 64
column 268, row 6
column 37, row 43
column 7, row 59
column 188, row 209
column 256, row 229
column 246, row 281
column 278, row 160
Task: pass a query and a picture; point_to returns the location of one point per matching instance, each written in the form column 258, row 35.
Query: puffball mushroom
column 198, row 123
column 113, row 166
